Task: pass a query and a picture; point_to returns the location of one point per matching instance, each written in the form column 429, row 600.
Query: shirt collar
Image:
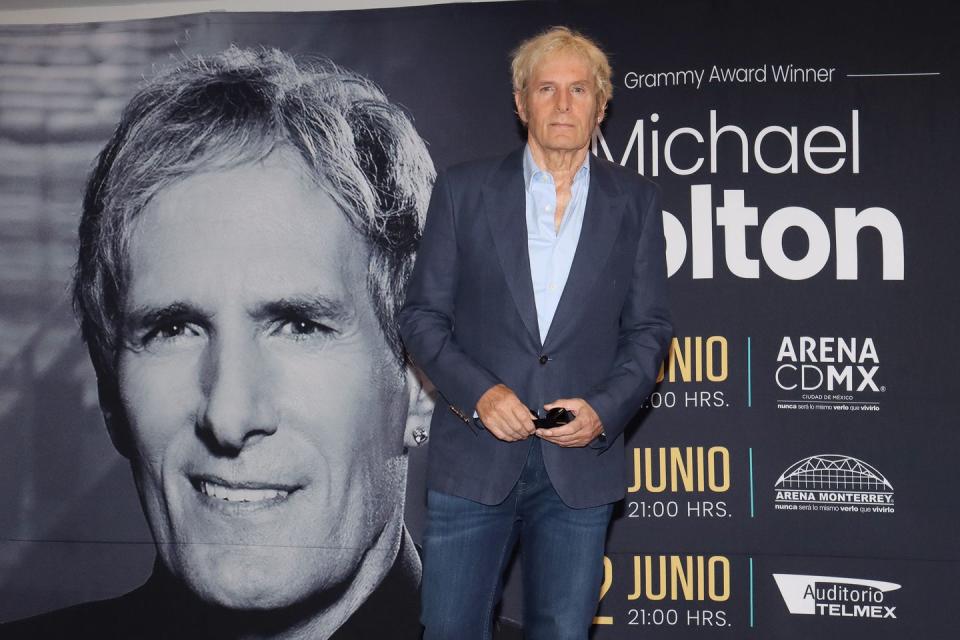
column 531, row 171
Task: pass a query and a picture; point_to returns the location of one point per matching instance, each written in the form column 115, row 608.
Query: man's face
column 264, row 405
column 560, row 106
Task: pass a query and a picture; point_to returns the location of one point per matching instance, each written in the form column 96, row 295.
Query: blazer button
column 544, row 359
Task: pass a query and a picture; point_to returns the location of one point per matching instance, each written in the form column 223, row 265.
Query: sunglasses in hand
column 556, row 417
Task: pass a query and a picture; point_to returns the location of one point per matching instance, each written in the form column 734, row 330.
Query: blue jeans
column 467, row 546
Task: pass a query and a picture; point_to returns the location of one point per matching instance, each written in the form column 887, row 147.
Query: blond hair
column 531, row 51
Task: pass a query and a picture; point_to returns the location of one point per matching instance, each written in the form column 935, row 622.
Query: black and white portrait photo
column 245, row 242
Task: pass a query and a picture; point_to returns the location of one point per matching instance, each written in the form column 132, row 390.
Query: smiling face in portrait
column 264, row 407
column 560, row 104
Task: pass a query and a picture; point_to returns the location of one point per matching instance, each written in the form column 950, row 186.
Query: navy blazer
column 470, row 322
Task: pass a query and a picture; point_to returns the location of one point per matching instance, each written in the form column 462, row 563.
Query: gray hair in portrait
column 236, row 108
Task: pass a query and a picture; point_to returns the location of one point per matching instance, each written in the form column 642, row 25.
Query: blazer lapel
column 504, row 201
column 601, row 225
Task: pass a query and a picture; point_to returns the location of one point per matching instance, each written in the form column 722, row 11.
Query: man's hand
column 578, row 433
column 504, row 415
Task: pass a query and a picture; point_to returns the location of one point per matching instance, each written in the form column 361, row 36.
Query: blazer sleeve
column 645, row 331
column 427, row 317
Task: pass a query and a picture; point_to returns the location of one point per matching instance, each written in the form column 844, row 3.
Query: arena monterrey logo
column 833, row 482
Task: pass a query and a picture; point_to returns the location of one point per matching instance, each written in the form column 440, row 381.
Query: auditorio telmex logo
column 836, row 597
column 833, row 482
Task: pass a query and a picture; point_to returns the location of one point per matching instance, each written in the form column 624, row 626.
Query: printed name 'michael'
column 825, row 151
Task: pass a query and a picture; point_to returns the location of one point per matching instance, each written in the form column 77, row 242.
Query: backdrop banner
column 791, row 477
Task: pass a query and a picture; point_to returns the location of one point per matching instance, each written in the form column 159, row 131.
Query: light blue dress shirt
column 551, row 251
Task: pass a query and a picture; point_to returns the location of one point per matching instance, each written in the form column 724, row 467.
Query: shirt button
column 544, row 359
column 546, row 208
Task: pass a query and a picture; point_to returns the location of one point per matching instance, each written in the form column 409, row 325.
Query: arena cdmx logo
column 836, row 597
column 828, row 374
column 833, row 482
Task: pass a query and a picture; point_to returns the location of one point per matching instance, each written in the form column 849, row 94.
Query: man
column 540, row 284
column 245, row 243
